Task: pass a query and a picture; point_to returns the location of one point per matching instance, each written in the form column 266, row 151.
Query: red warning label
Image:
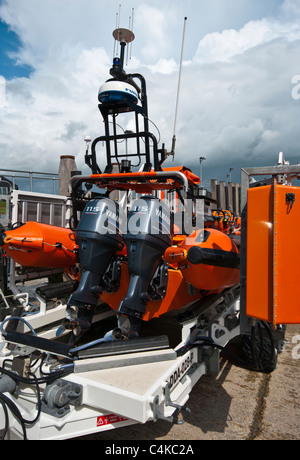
column 110, row 419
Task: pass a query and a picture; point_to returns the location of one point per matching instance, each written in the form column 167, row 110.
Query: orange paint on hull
column 176, row 297
column 41, row 245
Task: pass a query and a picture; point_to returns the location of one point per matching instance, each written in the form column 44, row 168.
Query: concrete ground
column 236, row 405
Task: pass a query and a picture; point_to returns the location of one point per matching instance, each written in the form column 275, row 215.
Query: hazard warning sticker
column 110, row 419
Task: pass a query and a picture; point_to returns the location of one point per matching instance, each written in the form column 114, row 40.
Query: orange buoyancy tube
column 210, row 261
column 40, row 245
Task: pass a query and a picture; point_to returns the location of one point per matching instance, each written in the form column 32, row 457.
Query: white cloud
column 2, row 92
column 155, row 38
column 222, row 47
column 49, row 114
column 236, row 99
column 164, row 66
column 291, row 10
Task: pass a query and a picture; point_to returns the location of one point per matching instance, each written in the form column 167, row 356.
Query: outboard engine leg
column 148, row 236
column 99, row 235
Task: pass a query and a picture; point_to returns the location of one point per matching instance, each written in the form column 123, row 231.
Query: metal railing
column 31, row 176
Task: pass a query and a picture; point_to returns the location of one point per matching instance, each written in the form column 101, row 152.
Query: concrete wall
column 227, row 196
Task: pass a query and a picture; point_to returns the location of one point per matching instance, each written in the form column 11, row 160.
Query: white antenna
column 127, row 46
column 123, row 35
column 178, row 91
column 132, row 16
column 115, row 42
column 117, row 27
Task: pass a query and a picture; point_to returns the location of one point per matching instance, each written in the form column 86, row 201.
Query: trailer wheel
column 259, row 350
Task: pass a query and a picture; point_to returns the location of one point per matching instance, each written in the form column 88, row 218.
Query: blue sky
column 10, row 44
column 236, row 107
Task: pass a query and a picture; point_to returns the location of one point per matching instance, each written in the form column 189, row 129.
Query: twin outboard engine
column 99, row 235
column 148, row 235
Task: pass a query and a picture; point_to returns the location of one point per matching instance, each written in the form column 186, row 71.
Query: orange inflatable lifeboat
column 40, row 245
column 208, row 260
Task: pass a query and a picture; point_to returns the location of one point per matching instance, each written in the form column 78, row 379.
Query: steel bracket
column 174, row 418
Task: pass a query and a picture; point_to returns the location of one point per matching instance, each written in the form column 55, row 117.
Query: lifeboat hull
column 40, row 245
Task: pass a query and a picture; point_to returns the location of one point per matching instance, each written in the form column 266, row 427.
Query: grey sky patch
column 72, row 129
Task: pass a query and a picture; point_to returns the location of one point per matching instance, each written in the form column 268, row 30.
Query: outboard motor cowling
column 148, row 235
column 99, row 236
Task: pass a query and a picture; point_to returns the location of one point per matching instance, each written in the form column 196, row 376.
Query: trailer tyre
column 259, row 353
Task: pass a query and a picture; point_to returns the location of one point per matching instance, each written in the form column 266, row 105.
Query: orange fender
column 212, row 261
